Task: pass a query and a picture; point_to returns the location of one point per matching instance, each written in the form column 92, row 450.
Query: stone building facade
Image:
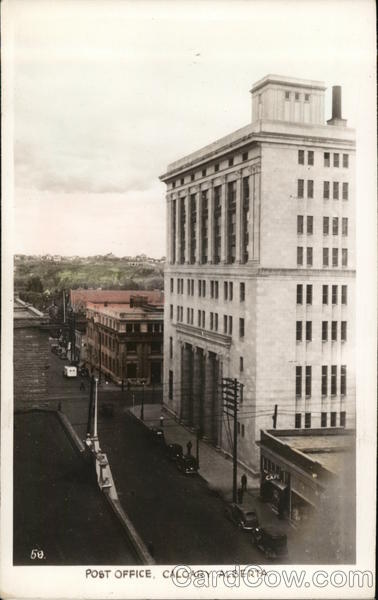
column 260, row 270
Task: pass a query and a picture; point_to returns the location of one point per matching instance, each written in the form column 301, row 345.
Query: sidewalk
column 215, row 467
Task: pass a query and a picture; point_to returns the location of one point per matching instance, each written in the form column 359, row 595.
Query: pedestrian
column 189, row 447
column 244, row 482
column 240, row 496
column 161, row 421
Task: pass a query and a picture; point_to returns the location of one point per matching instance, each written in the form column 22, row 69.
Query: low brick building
column 31, row 356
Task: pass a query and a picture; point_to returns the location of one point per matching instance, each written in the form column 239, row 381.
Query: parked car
column 69, row 371
column 243, row 518
column 158, row 434
column 271, row 542
column 174, row 451
column 187, row 465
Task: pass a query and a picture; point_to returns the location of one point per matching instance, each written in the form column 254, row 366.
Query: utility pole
column 275, row 416
column 230, row 393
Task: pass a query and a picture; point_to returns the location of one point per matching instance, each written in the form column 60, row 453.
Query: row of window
column 325, row 293
column 201, row 320
column 326, row 254
column 334, row 221
column 323, row 419
column 297, row 96
column 304, row 331
column 326, row 158
column 228, row 288
column 326, row 189
column 230, row 161
column 324, row 382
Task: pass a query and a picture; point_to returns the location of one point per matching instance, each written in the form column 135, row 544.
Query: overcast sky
column 107, row 93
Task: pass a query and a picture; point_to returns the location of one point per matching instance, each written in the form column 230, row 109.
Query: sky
column 107, row 93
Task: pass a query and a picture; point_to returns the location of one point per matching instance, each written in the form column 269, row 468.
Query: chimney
column 336, row 108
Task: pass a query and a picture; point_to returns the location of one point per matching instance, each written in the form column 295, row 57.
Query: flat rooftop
column 58, row 506
column 117, row 310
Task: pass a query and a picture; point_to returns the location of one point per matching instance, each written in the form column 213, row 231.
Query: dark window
column 172, row 284
column 343, row 332
column 343, row 382
column 326, row 190
column 298, row 420
column 333, row 419
column 231, row 290
column 245, row 156
column 170, row 347
column 149, row 327
column 308, row 331
column 182, row 181
column 211, row 321
column 342, row 418
column 307, row 420
column 324, row 380
column 137, row 327
column 325, row 225
column 309, row 294
column 287, row 95
column 299, row 293
column 323, row 419
column 310, row 225
column 345, row 191
column 129, row 327
column 171, row 311
column 203, row 172
column 326, row 159
column 192, row 177
column 307, row 97
column 345, row 161
column 344, row 229
column 230, row 162
column 344, row 294
column 334, row 331
column 324, row 331
column 344, row 257
column 216, row 167
column 225, row 290
column 325, row 257
column 230, row 325
column 301, row 156
column 310, row 189
column 131, row 370
column 310, row 157
column 298, row 382
column 299, row 256
column 299, row 331
column 297, row 95
column 334, row 294
column 241, row 327
column 170, row 390
column 335, row 226
column 335, row 190
column 241, row 364
column 333, row 380
column 299, row 223
column 309, row 257
column 308, row 381
column 242, row 292
column 216, row 290
column 300, row 188
column 225, row 321
column 335, row 257
column 173, row 184
column 336, row 160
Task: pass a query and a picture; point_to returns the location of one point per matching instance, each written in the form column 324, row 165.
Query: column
column 210, row 223
column 256, row 215
column 187, row 229
column 198, row 226
column 178, row 228
column 197, row 385
column 239, row 218
column 208, row 408
column 224, row 220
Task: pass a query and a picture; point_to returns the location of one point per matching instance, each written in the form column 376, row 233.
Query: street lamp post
column 142, row 405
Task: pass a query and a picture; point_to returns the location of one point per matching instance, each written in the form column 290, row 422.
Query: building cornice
column 197, row 333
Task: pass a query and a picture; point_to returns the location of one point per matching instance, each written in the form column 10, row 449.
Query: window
column 343, row 331
column 300, row 188
column 325, row 225
column 216, row 321
column 307, row 420
column 324, row 380
column 307, row 97
column 308, row 294
column 344, row 257
column 211, row 321
column 343, row 382
column 297, row 95
column 326, row 159
column 336, row 160
column 230, row 325
column 309, row 257
column 299, row 293
column 198, row 318
column 200, row 287
column 342, row 418
column 203, row 172
column 216, row 167
column 335, row 190
column 326, row 190
column 324, row 331
column 325, row 257
column 298, row 420
column 225, row 321
column 300, row 256
column 345, row 161
column 333, row 380
column 242, row 292
column 171, row 311
column 299, row 331
column 245, row 156
column 308, row 381
column 310, row 157
column 301, row 156
column 172, row 284
column 299, row 224
column 308, row 331
column 170, row 347
column 344, row 294
column 230, row 162
column 241, row 327
column 323, row 419
column 335, row 226
column 170, row 385
column 310, row 188
column 242, row 430
column 137, row 327
column 182, row 181
column 129, row 327
column 344, row 226
column 173, row 184
column 241, row 364
column 298, row 382
column 204, row 288
column 188, row 315
column 335, row 257
column 334, row 294
column 192, row 177
column 131, row 347
column 225, row 290
column 333, row 419
column 231, row 290
column 216, row 289
column 334, row 331
column 287, row 95
column 310, row 225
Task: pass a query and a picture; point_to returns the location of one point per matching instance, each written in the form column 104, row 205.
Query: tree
column 34, row 284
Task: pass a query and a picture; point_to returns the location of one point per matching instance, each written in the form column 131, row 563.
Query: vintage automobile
column 158, row 434
column 243, row 518
column 174, row 451
column 187, row 464
column 271, row 542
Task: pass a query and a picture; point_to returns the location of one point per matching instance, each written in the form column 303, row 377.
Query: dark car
column 271, row 542
column 187, row 465
column 243, row 518
column 158, row 435
column 174, row 451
